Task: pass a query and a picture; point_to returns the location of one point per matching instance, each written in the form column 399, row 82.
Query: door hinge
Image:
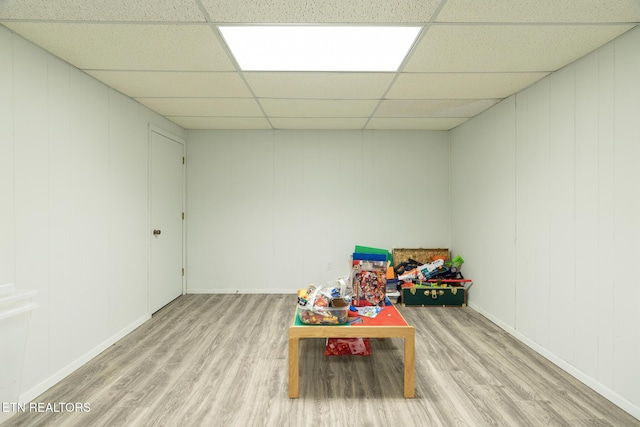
column 183, row 160
column 183, row 215
column 183, row 271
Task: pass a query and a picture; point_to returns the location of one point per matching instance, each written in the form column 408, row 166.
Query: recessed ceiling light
column 319, row 48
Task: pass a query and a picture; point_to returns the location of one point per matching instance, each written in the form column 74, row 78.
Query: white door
column 166, row 220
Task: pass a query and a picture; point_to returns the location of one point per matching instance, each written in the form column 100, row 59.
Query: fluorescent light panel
column 319, row 48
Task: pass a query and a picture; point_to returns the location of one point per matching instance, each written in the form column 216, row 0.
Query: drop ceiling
column 170, row 56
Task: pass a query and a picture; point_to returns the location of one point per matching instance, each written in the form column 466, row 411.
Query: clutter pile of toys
column 327, row 304
column 413, row 271
column 330, row 304
column 362, row 293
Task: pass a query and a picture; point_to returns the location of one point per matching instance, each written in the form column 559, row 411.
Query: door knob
column 156, row 232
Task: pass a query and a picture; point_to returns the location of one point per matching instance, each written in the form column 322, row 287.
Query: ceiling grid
column 170, row 56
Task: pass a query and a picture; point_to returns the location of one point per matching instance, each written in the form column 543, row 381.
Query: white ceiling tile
column 319, row 85
column 129, row 46
column 327, row 11
column 414, row 123
column 460, row 85
column 507, row 48
column 433, row 108
column 221, row 122
column 318, row 107
column 537, row 11
column 222, row 107
column 101, row 10
column 318, row 123
column 174, row 84
column 169, row 56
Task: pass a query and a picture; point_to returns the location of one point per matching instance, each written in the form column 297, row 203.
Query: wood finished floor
column 221, row 360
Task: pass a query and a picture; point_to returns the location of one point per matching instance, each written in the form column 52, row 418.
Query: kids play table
column 389, row 323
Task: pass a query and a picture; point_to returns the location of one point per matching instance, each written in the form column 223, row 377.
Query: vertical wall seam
column 109, row 289
column 515, row 211
column 13, row 153
column 613, row 195
column 598, row 183
column 450, row 230
column 48, row 284
column 575, row 212
column 548, row 215
column 274, row 186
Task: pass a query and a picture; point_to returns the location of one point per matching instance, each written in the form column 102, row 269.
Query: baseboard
column 590, row 382
column 238, row 291
column 58, row 376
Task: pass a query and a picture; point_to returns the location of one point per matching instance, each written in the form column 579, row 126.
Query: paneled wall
column 272, row 211
column 74, row 208
column 546, row 207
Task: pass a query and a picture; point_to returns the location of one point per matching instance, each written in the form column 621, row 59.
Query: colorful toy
column 328, row 316
column 369, row 279
column 324, row 305
column 303, row 297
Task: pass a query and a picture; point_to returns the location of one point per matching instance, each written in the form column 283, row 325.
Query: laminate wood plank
column 221, row 360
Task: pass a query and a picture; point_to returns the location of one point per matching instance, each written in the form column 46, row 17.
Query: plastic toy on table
column 369, row 279
column 324, row 305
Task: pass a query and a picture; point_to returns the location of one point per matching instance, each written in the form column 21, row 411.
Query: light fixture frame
column 339, row 48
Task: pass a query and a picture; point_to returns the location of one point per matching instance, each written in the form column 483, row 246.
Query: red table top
column 388, row 316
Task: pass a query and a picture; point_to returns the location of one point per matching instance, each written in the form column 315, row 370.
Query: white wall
column 544, row 208
column 272, row 211
column 74, row 207
column 546, row 211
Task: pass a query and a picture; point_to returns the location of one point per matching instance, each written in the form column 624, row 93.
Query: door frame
column 155, row 129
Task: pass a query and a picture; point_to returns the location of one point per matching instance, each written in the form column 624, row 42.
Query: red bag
column 347, row 346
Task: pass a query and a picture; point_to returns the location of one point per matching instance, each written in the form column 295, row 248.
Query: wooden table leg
column 409, row 365
column 294, row 366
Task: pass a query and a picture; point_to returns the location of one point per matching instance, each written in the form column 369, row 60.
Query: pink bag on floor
column 347, row 346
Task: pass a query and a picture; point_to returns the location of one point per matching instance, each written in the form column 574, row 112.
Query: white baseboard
column 590, row 382
column 243, row 291
column 58, row 376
